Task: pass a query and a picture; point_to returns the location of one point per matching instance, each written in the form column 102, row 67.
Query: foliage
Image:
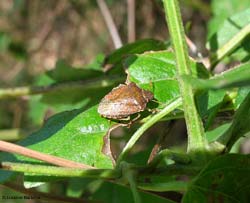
column 182, row 87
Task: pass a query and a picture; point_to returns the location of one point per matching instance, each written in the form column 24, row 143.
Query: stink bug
column 124, row 101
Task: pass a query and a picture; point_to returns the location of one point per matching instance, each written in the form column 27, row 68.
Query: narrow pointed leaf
column 237, row 77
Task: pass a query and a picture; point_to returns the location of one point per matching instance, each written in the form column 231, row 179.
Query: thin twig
column 157, row 147
column 13, row 148
column 131, row 20
column 193, row 48
column 110, row 23
column 47, row 29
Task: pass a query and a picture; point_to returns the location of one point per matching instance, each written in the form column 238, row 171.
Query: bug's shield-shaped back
column 123, row 101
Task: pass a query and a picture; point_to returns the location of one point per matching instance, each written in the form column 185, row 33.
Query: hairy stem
column 196, row 140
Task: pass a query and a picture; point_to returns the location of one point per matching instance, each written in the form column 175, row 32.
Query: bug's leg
column 158, row 102
column 133, row 120
column 136, row 118
column 128, row 76
column 158, row 108
column 125, row 119
column 130, row 122
column 153, row 111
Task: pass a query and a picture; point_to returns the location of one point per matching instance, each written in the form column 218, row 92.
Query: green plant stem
column 86, row 84
column 163, row 187
column 230, row 45
column 196, row 140
column 11, row 134
column 130, row 175
column 174, row 169
column 169, row 117
column 146, row 126
column 59, row 171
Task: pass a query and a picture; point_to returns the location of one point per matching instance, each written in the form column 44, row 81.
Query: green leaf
column 237, row 77
column 38, row 110
column 90, row 84
column 240, row 125
column 140, row 46
column 208, row 104
column 64, row 72
column 155, row 71
column 225, row 32
column 225, row 179
column 97, row 63
column 92, row 95
column 73, row 135
column 221, row 11
column 208, row 101
column 77, row 186
column 214, row 134
column 242, row 93
column 80, row 140
column 111, row 193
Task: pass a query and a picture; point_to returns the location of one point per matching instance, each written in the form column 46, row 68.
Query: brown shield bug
column 124, row 101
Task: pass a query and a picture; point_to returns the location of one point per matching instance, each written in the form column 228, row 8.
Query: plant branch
column 86, row 84
column 196, row 140
column 110, row 23
column 113, row 175
column 131, row 20
column 176, row 103
column 59, row 171
column 13, row 148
